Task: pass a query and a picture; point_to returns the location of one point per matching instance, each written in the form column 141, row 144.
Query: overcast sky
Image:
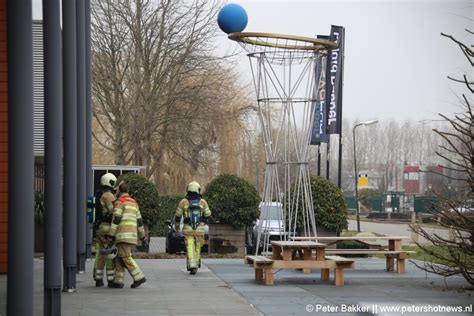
column 396, row 62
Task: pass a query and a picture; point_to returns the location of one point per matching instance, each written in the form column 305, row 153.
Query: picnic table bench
column 393, row 252
column 299, row 255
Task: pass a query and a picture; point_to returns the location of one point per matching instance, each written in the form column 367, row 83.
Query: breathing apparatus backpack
column 100, row 214
column 195, row 212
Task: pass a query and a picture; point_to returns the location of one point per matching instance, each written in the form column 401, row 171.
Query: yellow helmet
column 194, row 187
column 108, row 180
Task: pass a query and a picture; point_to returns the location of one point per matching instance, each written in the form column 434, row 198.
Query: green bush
column 329, row 205
column 144, row 191
column 232, row 200
column 39, row 208
column 168, row 205
column 366, row 195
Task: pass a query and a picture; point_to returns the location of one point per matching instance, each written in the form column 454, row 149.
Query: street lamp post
column 355, row 168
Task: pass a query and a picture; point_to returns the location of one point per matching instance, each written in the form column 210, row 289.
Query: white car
column 271, row 225
column 467, row 207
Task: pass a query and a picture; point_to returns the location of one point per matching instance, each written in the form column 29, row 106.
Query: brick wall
column 3, row 140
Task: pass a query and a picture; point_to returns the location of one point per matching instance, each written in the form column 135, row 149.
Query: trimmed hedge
column 366, row 195
column 145, row 192
column 329, row 205
column 168, row 205
column 232, row 200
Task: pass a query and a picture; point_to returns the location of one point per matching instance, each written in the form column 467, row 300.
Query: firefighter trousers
column 102, row 262
column 193, row 239
column 124, row 261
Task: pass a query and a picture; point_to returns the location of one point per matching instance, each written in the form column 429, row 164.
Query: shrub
column 329, row 205
column 232, row 200
column 366, row 195
column 144, row 191
column 168, row 205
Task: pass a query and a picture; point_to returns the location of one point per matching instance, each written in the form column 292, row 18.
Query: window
column 411, row 176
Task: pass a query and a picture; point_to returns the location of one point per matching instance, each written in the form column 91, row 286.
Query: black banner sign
column 334, row 73
column 318, row 132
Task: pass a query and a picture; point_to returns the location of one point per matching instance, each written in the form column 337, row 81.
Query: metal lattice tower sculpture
column 284, row 74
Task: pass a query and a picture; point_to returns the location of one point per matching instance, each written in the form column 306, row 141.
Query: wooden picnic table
column 299, row 255
column 393, row 252
column 287, row 250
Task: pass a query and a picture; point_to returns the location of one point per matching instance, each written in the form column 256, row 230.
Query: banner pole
column 342, row 39
column 328, row 156
column 319, row 159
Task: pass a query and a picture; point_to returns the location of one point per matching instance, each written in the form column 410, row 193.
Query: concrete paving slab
column 227, row 287
column 170, row 290
column 367, row 285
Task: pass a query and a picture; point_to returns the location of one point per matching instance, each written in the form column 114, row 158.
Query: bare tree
column 457, row 253
column 160, row 94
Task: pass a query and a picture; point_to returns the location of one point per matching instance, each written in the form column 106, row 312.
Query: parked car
column 466, row 207
column 272, row 227
column 175, row 239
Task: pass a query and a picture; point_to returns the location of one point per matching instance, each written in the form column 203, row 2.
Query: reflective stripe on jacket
column 126, row 224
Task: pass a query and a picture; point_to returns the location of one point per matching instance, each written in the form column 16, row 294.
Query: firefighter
column 127, row 225
column 196, row 213
column 104, row 210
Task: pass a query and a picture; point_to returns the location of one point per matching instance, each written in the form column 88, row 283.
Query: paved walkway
column 368, row 285
column 170, row 290
column 227, row 287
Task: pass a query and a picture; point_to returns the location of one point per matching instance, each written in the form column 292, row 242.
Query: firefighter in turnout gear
column 104, row 210
column 126, row 228
column 196, row 213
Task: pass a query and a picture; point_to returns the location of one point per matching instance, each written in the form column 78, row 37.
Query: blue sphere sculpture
column 232, row 18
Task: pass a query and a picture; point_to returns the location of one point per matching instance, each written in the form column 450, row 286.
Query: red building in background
column 422, row 179
column 411, row 179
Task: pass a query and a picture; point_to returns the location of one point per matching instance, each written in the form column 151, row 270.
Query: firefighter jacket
column 107, row 202
column 127, row 223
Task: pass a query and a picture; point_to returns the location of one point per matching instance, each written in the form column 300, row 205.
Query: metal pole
column 339, row 117
column 328, row 158
column 319, row 159
column 70, row 145
column 20, row 159
column 339, row 168
column 53, row 157
column 81, row 137
column 88, row 119
column 257, row 173
column 355, row 178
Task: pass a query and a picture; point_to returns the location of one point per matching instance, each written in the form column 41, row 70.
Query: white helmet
column 194, row 187
column 108, row 180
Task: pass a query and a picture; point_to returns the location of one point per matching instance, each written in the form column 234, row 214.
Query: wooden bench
column 341, row 264
column 263, row 267
column 390, row 255
column 394, row 251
